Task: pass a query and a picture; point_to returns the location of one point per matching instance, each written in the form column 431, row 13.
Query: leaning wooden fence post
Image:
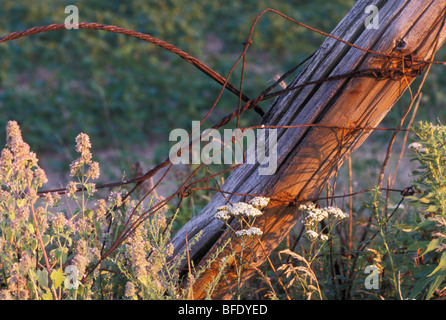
column 408, row 32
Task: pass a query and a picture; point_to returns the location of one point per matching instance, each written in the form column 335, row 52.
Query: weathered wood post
column 308, row 156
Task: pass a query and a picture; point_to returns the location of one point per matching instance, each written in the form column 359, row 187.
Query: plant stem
column 389, row 254
column 39, row 238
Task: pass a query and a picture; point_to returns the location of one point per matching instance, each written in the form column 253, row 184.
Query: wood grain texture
column 309, row 156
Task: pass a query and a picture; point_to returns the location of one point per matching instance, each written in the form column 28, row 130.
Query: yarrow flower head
column 259, row 202
column 313, row 214
column 239, row 209
column 336, row 213
column 244, row 209
column 223, row 215
column 311, row 234
column 250, row 209
column 313, row 217
column 250, row 233
column 324, row 237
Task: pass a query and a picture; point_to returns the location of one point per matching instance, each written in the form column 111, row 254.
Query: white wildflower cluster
column 312, row 235
column 336, row 213
column 242, row 209
column 259, row 202
column 246, row 212
column 250, row 233
column 315, row 215
column 222, row 214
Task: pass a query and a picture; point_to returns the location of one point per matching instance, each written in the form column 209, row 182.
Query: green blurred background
column 126, row 93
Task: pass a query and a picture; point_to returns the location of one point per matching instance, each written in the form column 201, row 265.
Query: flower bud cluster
column 84, row 166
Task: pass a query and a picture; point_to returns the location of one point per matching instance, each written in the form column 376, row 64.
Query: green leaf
column 421, row 284
column 47, row 295
column 417, row 244
column 42, row 278
column 31, row 227
column 435, row 283
column 69, row 240
column 432, row 245
column 34, row 245
column 46, row 239
column 425, row 224
column 405, row 227
column 431, row 209
column 441, row 190
column 408, row 228
column 75, row 213
column 21, row 202
column 89, row 188
column 411, row 198
column 60, row 254
column 58, row 277
column 89, row 214
column 441, row 265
